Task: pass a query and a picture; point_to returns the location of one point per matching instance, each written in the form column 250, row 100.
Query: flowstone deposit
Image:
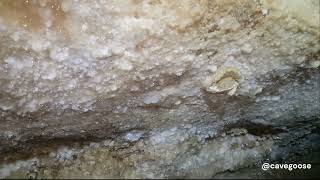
column 156, row 88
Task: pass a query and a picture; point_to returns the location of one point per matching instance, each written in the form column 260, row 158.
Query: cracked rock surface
column 156, row 88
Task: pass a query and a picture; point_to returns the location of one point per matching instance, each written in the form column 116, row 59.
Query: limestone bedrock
column 131, row 70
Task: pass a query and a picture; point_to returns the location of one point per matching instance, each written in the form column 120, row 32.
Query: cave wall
column 161, row 76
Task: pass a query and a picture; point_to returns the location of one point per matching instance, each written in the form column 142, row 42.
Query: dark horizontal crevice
column 255, row 128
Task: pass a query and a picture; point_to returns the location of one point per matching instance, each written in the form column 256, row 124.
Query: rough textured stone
column 164, row 89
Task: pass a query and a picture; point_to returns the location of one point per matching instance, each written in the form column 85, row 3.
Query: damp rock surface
column 156, row 89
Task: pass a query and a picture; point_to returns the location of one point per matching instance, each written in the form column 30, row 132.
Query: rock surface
column 156, row 89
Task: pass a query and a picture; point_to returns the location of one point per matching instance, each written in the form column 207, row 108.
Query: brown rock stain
column 26, row 14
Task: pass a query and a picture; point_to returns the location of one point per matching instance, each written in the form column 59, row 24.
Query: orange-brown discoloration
column 27, row 13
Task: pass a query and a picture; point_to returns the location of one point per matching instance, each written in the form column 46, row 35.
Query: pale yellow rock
column 225, row 84
column 315, row 64
column 225, row 79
